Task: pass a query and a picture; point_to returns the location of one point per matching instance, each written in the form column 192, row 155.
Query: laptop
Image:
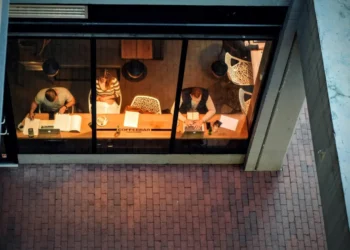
column 49, row 132
column 191, row 132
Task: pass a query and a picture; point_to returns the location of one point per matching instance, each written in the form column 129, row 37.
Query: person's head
column 50, row 95
column 102, row 79
column 196, row 94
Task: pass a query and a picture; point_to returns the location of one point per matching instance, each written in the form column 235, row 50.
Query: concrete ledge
column 130, row 159
column 164, row 2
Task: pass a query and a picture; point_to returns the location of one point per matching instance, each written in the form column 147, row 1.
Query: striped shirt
column 114, row 89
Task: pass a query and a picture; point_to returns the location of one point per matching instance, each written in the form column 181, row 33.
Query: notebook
column 193, row 116
column 68, row 123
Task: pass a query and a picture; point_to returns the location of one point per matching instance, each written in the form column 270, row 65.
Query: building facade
column 256, row 60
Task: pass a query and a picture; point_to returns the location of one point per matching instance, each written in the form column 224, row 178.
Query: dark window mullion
column 93, row 92
column 180, row 80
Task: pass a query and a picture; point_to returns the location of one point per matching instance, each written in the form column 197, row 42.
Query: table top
column 150, row 126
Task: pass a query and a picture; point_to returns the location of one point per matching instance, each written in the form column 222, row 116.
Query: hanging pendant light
column 51, row 67
column 134, row 71
column 219, row 68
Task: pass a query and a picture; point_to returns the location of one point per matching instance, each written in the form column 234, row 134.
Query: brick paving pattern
column 165, row 207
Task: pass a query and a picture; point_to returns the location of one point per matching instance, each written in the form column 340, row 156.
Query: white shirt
column 194, row 103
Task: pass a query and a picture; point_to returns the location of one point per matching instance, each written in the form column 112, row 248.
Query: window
column 49, row 76
column 222, row 81
column 130, row 86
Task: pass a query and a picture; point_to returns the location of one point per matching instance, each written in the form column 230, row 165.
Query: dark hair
column 196, row 92
column 50, row 95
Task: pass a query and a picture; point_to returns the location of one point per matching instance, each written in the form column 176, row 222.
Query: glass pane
column 49, row 83
column 136, row 86
column 219, row 84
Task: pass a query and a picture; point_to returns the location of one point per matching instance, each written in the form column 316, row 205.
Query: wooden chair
column 240, row 73
column 147, row 103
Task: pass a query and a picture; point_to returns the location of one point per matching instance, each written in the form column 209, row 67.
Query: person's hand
column 188, row 122
column 198, row 124
column 31, row 115
column 98, row 98
column 62, row 110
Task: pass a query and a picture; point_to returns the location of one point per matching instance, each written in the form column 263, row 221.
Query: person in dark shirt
column 195, row 100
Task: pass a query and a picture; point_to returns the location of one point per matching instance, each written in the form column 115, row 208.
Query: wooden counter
column 146, row 121
column 256, row 56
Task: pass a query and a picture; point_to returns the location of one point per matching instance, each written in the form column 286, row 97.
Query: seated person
column 56, row 99
column 108, row 91
column 198, row 100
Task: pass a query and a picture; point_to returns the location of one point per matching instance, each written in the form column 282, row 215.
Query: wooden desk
column 256, row 56
column 241, row 132
column 146, row 121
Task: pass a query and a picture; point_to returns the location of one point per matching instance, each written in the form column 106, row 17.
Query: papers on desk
column 34, row 124
column 193, row 116
column 228, row 122
column 131, row 119
column 69, row 123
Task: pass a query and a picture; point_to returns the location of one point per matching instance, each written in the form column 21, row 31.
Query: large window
column 135, row 87
column 222, row 80
column 148, row 96
column 49, row 83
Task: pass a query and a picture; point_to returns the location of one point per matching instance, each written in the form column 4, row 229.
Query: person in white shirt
column 195, row 100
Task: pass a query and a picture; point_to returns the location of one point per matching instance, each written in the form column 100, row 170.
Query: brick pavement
column 164, row 207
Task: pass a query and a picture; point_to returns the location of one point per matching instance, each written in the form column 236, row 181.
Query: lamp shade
column 219, row 68
column 51, row 67
column 134, row 70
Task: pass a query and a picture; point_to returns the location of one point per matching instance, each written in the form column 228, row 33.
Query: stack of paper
column 131, row 119
column 34, row 124
column 193, row 116
column 66, row 122
column 228, row 122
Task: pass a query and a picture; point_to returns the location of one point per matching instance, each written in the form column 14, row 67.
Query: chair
column 242, row 101
column 240, row 73
column 147, row 103
column 105, row 108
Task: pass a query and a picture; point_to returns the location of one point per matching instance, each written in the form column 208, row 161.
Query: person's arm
column 211, row 110
column 33, row 107
column 70, row 101
column 180, row 116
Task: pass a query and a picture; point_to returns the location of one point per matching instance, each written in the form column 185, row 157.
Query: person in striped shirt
column 108, row 91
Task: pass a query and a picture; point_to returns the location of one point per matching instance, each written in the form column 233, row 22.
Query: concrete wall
column 166, row 2
column 288, row 104
column 321, row 75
